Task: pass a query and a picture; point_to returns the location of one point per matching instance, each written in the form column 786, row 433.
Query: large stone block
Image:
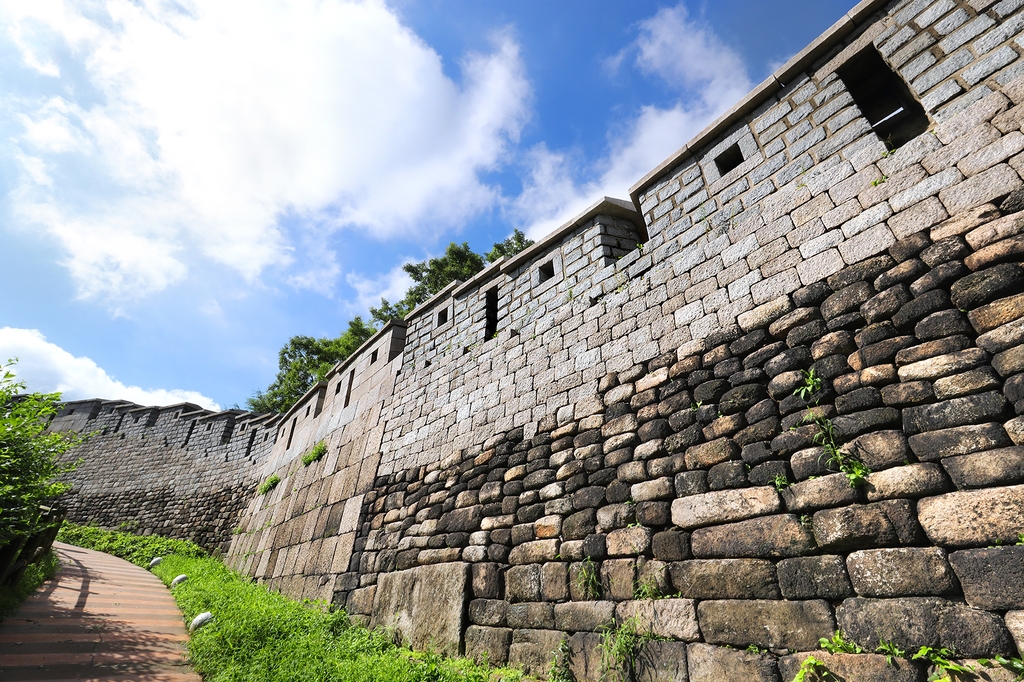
column 662, row 662
column 900, row 572
column 724, row 579
column 856, row 667
column 770, row 624
column 671, row 618
column 533, row 649
column 973, row 409
column 993, row 578
column 424, row 605
column 584, row 616
column 724, row 506
column 974, row 518
column 770, row 537
column 932, row 446
column 986, row 469
column 914, row 622
column 531, row 615
column 909, row 482
column 534, row 552
column 709, row 663
column 488, row 644
column 882, row 524
column 820, row 493
column 814, row 577
column 522, row 583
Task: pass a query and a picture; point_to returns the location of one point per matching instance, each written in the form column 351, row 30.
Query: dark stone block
column 656, row 428
column 909, row 246
column 579, row 525
column 671, row 545
column 691, row 483
column 727, row 475
column 923, row 621
column 653, row 514
column 806, row 334
column 986, row 469
column 726, row 368
column 849, row 426
column 594, row 546
column 865, row 270
column 883, row 305
column 811, row 295
column 588, row 497
column 945, row 250
column 741, row 398
column 748, row 342
column 882, row 524
column 859, row 399
column 993, row 578
column 814, row 577
column 754, row 453
column 768, row 472
column 940, row 276
column 974, row 409
column 787, row 360
column 920, row 308
column 847, row 300
column 488, row 611
column 764, row 430
column 903, row 273
column 762, row 355
column 771, row 624
column 466, row 519
column 724, row 579
column 617, row 491
column 986, row 285
column 769, row 408
column 710, row 391
column 767, row 537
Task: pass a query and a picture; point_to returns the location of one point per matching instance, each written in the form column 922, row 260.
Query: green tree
column 304, row 361
column 430, row 276
column 30, row 458
column 510, row 247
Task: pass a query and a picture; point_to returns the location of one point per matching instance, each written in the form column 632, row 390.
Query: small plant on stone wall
column 1014, row 665
column 647, row 589
column 810, row 385
column 781, row 482
column 813, row 670
column 1020, row 538
column 878, row 181
column 587, row 581
column 314, row 455
column 856, row 471
column 620, row 645
column 945, row 669
column 558, row 669
column 269, row 484
column 838, row 644
column 890, row 650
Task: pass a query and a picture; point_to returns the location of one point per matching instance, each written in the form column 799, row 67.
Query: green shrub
column 35, row 575
column 138, row 549
column 269, row 484
column 317, row 453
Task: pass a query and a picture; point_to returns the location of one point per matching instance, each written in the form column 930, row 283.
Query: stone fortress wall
column 626, row 409
column 178, row 471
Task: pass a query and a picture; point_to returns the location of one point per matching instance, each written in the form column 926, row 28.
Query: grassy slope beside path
column 261, row 636
column 35, row 575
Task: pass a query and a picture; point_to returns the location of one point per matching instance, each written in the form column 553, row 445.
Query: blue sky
column 185, row 185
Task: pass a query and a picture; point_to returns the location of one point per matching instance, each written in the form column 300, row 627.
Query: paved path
column 101, row 619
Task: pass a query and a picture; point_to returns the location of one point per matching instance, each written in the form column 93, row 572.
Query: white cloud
column 391, row 285
column 47, row 368
column 709, row 77
column 185, row 131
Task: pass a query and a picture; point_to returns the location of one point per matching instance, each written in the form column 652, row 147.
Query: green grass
column 269, row 484
column 314, row 455
column 261, row 636
column 35, row 575
column 137, row 549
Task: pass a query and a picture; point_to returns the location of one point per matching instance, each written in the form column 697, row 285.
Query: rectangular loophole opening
column 373, row 357
column 491, row 313
column 729, row 159
column 884, row 98
column 546, row 271
column 348, row 391
column 442, row 316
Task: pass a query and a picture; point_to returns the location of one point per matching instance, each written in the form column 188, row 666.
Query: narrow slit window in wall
column 729, row 159
column 291, row 433
column 373, row 357
column 442, row 316
column 348, row 391
column 491, row 313
column 546, row 271
column 884, row 98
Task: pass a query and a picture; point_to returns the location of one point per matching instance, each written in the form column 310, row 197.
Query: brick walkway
column 102, row 619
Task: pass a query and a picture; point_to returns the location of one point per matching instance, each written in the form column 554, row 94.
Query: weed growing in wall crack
column 1014, row 665
column 269, row 484
column 945, row 669
column 890, row 650
column 813, row 670
column 620, row 645
column 314, row 455
column 587, row 582
column 838, row 644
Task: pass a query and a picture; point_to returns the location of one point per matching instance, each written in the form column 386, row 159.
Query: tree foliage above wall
column 305, row 360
